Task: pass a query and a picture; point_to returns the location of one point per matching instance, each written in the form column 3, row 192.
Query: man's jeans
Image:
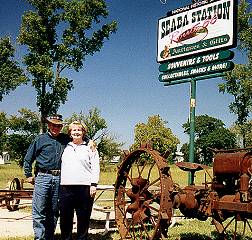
column 45, row 209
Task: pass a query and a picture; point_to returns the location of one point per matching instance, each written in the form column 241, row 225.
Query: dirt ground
column 15, row 223
column 19, row 223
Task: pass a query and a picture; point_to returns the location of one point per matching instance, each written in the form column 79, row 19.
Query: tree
column 185, row 150
column 108, row 148
column 238, row 81
column 59, row 35
column 209, row 133
column 247, row 131
column 28, row 123
column 204, row 125
column 22, row 130
column 96, row 125
column 156, row 132
column 11, row 75
column 245, row 28
column 3, row 130
column 107, row 144
column 248, row 135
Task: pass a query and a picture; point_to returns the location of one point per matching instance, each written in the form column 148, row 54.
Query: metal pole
column 192, row 128
column 192, row 124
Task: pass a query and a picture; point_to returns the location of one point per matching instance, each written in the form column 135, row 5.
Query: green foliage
column 11, row 75
column 245, row 27
column 59, row 34
column 209, row 133
column 18, row 145
column 27, row 122
column 185, row 150
column 157, row 133
column 3, row 130
column 109, row 148
column 204, row 125
column 96, row 125
column 243, row 139
column 220, row 138
column 238, row 81
column 22, row 130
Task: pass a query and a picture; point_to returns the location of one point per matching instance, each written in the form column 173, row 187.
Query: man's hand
column 30, row 180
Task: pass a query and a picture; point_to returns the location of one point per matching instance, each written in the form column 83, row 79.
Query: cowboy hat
column 55, row 119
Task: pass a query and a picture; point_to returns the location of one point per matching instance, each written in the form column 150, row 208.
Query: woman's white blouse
column 80, row 165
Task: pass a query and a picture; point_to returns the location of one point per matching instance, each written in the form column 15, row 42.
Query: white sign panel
column 196, row 28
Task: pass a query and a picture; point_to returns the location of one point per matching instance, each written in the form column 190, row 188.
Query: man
column 46, row 150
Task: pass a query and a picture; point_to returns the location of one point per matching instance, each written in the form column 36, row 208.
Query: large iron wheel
column 234, row 227
column 10, row 201
column 143, row 207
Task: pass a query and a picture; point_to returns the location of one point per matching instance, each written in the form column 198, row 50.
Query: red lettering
column 192, row 32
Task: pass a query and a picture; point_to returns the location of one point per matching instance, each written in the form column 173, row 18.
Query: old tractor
column 146, row 196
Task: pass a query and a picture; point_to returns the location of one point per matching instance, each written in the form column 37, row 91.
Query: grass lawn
column 186, row 229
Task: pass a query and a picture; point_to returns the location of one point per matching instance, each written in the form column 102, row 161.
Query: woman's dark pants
column 75, row 198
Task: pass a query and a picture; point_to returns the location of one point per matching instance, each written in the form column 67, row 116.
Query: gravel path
column 19, row 223
column 15, row 223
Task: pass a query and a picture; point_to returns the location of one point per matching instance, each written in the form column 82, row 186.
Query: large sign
column 200, row 27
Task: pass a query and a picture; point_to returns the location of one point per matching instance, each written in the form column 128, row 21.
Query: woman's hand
column 92, row 145
column 92, row 191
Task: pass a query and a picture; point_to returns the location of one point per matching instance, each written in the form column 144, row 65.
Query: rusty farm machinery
column 146, row 196
column 11, row 195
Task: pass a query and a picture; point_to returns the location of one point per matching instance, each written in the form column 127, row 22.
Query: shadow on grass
column 96, row 226
column 96, row 236
column 214, row 236
column 183, row 236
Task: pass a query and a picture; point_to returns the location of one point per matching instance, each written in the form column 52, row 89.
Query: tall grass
column 8, row 172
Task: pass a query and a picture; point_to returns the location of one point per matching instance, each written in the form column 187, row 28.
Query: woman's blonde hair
column 77, row 123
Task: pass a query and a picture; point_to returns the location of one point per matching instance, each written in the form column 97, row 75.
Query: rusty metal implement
column 146, row 196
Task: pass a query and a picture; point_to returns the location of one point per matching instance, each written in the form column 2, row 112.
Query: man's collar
column 50, row 134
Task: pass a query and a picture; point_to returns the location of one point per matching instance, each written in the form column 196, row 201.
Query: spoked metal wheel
column 236, row 227
column 10, row 201
column 143, row 207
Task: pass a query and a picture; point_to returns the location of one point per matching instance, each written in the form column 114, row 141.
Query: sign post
column 192, row 127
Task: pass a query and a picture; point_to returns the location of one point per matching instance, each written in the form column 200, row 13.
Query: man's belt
column 54, row 172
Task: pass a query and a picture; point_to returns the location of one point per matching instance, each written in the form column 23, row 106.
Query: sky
column 122, row 79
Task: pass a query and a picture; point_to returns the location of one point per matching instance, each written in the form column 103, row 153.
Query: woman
column 79, row 177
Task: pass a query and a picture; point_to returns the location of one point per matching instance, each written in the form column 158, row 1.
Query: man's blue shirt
column 47, row 151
